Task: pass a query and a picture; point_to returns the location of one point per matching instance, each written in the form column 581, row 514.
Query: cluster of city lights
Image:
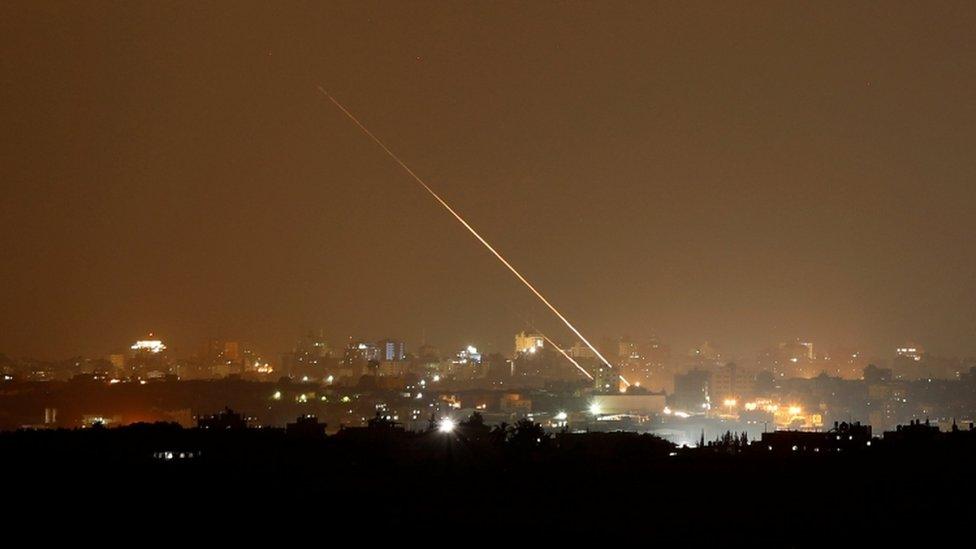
column 149, row 345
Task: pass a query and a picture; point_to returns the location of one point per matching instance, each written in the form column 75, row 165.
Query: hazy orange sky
column 743, row 174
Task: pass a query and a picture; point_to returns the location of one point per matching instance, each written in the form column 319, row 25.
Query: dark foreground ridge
column 472, row 475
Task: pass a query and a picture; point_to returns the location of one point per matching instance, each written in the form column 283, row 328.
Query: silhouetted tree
column 527, row 435
column 499, row 434
column 475, row 420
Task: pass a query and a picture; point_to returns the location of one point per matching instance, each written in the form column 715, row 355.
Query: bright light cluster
column 151, row 345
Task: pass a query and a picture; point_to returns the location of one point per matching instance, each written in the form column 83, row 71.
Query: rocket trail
column 558, row 348
column 565, row 354
column 469, row 228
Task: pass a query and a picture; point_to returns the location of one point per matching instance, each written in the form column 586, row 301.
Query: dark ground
column 402, row 484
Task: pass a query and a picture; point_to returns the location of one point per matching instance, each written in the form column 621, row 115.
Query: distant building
column 312, row 359
column 306, row 426
column 605, row 378
column 910, row 351
column 391, row 350
column 513, row 403
column 528, row 342
column 497, row 367
column 360, row 351
column 225, row 358
column 914, row 432
column 467, row 365
column 730, row 383
column 468, row 356
column 391, row 368
column 639, row 404
column 692, row 391
column 628, row 349
column 226, row 419
column 789, row 360
column 148, row 359
column 89, row 421
column 152, row 346
column 844, row 436
column 873, row 374
column 580, row 350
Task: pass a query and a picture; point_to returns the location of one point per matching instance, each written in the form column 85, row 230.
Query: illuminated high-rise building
column 148, row 359
column 148, row 346
column 391, row 350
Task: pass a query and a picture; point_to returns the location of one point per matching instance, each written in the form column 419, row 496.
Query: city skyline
column 664, row 173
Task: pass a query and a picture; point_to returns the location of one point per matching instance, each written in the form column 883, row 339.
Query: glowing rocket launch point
column 470, row 229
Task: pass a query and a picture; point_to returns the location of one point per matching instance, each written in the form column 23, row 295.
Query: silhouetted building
column 691, row 391
column 306, row 426
column 914, row 432
column 844, row 436
column 226, row 419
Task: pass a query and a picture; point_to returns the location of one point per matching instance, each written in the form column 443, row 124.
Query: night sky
column 738, row 174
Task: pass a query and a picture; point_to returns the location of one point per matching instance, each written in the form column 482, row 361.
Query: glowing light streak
column 565, row 354
column 470, row 229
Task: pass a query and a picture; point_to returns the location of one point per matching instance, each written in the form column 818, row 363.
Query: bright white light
column 446, row 425
column 595, row 409
column 472, row 350
column 682, row 415
column 151, row 345
column 561, row 416
column 436, row 378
